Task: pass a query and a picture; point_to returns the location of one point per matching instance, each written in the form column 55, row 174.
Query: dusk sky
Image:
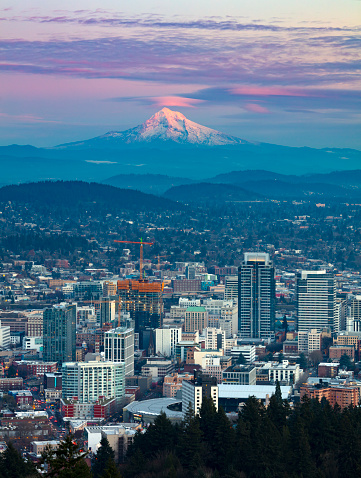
column 280, row 71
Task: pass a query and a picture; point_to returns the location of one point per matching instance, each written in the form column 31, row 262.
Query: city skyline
column 279, row 73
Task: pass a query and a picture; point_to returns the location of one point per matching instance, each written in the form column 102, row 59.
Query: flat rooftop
column 154, row 407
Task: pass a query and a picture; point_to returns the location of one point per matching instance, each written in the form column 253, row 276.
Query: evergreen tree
column 190, row 448
column 160, row 435
column 111, row 470
column 103, row 458
column 277, row 409
column 303, row 361
column 66, row 461
column 12, row 465
column 345, row 362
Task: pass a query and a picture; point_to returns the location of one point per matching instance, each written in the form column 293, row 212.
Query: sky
column 277, row 71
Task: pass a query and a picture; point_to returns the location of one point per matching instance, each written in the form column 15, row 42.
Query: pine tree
column 190, row 449
column 12, row 465
column 111, row 470
column 101, row 460
column 66, row 461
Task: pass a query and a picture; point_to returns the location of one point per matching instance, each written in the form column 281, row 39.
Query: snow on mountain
column 165, row 126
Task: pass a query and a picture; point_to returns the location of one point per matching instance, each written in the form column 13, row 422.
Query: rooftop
column 154, row 407
column 245, row 391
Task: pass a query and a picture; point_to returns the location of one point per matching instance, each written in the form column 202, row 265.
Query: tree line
column 310, row 440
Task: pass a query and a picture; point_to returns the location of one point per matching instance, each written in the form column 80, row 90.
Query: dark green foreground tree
column 66, row 461
column 308, row 441
column 103, row 464
column 12, row 465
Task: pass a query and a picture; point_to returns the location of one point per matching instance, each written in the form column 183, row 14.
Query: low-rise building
column 282, row 372
column 240, row 375
column 329, row 370
column 232, row 397
column 248, row 352
column 39, row 446
column 173, row 383
column 99, row 410
column 157, row 368
column 35, row 367
column 309, row 340
column 336, row 351
column 7, row 384
column 344, row 396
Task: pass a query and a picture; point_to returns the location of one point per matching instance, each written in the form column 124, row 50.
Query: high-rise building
column 143, row 300
column 231, row 288
column 166, row 340
column 215, row 339
column 193, row 392
column 35, row 323
column 109, row 288
column 316, row 300
column 89, row 381
column 256, row 296
column 190, row 272
column 5, row 340
column 119, row 347
column 353, row 313
column 59, row 325
column 196, row 318
column 107, row 311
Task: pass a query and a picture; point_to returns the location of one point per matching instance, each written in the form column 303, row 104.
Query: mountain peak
column 164, row 127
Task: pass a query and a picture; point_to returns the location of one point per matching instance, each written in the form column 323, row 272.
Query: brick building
column 343, row 396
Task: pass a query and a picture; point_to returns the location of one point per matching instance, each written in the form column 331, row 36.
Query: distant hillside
column 147, row 183
column 276, row 189
column 71, row 193
column 210, row 193
column 341, row 178
column 241, row 177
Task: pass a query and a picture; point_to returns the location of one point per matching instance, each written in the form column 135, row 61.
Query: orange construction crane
column 141, row 253
column 159, row 261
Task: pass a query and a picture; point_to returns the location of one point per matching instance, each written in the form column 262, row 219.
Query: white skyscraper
column 166, row 340
column 88, row 381
column 316, row 300
column 119, row 347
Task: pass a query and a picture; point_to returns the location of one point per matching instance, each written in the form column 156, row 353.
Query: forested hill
column 71, row 193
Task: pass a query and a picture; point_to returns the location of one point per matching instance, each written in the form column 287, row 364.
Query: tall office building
column 88, row 381
column 143, row 300
column 316, row 300
column 166, row 340
column 256, row 296
column 119, row 347
column 193, row 392
column 196, row 319
column 59, row 325
column 107, row 311
column 231, row 288
column 109, row 288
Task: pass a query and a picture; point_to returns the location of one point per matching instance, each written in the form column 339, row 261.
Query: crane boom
column 140, row 254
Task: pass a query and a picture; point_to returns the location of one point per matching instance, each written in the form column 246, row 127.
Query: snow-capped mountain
column 165, row 126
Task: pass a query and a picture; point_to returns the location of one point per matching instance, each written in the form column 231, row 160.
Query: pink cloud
column 160, row 101
column 25, row 118
column 268, row 91
column 254, row 108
